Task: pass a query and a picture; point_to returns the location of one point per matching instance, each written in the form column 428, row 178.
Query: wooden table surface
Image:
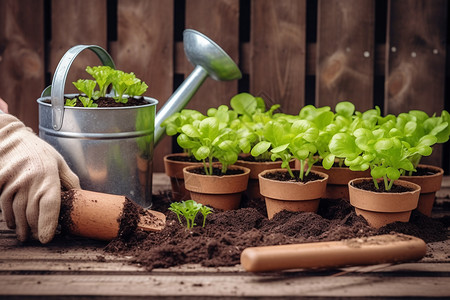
column 78, row 268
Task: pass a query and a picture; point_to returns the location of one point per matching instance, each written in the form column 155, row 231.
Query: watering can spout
column 209, row 60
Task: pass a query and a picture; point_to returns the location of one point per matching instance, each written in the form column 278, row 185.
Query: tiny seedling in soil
column 189, row 210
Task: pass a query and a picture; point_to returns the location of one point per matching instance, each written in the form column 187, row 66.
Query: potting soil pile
column 227, row 233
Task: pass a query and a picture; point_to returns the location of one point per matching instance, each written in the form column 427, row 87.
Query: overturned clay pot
column 105, row 216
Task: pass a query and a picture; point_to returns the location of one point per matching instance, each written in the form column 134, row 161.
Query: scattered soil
column 423, row 171
column 228, row 233
column 251, row 158
column 216, row 171
column 284, row 176
column 370, row 186
column 128, row 219
column 183, row 158
column 186, row 158
column 65, row 220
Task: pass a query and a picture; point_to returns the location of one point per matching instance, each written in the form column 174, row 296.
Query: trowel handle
column 353, row 252
column 179, row 99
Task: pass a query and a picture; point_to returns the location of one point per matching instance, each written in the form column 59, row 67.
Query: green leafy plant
column 71, row 102
column 252, row 116
column 103, row 76
column 290, row 140
column 386, row 156
column 87, row 87
column 123, row 84
column 422, row 132
column 126, row 83
column 210, row 139
column 189, row 210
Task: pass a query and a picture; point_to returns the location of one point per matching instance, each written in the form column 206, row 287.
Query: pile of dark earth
column 228, row 233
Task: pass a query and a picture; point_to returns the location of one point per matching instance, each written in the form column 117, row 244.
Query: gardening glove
column 31, row 175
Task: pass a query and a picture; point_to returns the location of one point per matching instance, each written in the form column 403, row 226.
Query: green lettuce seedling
column 123, row 84
column 71, row 102
column 175, row 122
column 252, row 116
column 290, row 140
column 87, row 87
column 422, row 132
column 126, row 83
column 210, row 139
column 189, row 210
column 385, row 155
column 103, row 76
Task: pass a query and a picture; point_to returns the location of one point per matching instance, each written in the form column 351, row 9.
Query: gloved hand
column 31, row 175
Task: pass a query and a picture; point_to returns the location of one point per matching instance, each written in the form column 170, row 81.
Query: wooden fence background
column 390, row 53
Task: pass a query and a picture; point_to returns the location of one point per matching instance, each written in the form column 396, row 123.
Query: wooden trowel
column 388, row 248
column 102, row 216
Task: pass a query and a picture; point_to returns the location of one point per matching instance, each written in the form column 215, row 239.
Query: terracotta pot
column 380, row 209
column 98, row 215
column 220, row 192
column 252, row 191
column 338, row 179
column 291, row 195
column 429, row 185
column 174, row 169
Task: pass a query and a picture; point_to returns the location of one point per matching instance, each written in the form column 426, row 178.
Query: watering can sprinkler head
column 203, row 52
column 209, row 60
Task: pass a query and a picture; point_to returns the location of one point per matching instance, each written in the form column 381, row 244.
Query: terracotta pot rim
column 416, row 188
column 284, row 190
column 384, row 202
column 440, row 172
column 341, row 175
column 210, row 184
column 324, row 176
column 168, row 156
column 231, row 167
column 260, row 162
column 174, row 168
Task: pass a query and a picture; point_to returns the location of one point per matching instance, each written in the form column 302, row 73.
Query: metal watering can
column 111, row 149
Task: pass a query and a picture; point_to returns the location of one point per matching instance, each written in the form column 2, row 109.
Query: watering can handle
column 56, row 90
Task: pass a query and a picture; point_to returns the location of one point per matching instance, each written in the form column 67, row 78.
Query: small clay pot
column 338, row 179
column 174, row 169
column 220, row 192
column 98, row 215
column 429, row 185
column 380, row 209
column 374, row 250
column 291, row 195
column 257, row 167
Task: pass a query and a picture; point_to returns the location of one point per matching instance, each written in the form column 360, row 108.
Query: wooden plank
column 145, row 46
column 278, row 49
column 219, row 21
column 77, row 22
column 374, row 284
column 416, row 56
column 345, row 52
column 416, row 53
column 22, row 69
